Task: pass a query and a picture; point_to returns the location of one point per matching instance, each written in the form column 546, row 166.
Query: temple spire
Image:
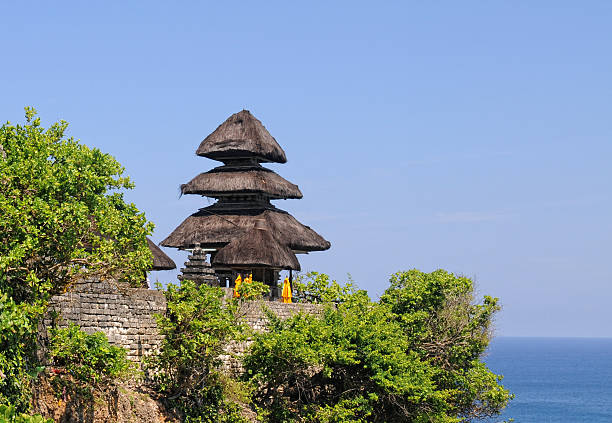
column 244, row 189
column 242, row 135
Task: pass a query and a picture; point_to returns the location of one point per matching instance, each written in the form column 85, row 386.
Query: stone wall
column 255, row 317
column 124, row 314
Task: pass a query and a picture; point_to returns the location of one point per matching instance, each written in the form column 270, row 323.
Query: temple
column 242, row 231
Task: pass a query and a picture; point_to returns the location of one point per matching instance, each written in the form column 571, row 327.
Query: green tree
column 199, row 325
column 315, row 287
column 444, row 325
column 413, row 356
column 62, row 218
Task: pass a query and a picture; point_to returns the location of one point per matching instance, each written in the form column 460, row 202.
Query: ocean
column 554, row 380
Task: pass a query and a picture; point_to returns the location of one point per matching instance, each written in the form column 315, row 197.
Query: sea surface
column 565, row 380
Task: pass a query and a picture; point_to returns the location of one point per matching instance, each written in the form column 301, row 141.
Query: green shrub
column 315, row 287
column 9, row 414
column 17, row 355
column 199, row 324
column 90, row 359
column 413, row 356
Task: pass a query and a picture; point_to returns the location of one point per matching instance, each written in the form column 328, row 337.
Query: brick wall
column 124, row 314
column 255, row 317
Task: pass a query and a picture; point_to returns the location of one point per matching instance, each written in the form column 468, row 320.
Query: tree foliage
column 17, row 343
column 89, row 358
column 199, row 325
column 62, row 216
column 413, row 356
column 447, row 329
column 9, row 414
column 318, row 288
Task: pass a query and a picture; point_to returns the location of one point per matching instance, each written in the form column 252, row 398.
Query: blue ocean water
column 565, row 380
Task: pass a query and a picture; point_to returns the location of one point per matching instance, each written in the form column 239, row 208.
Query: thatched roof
column 214, row 227
column 257, row 247
column 241, row 135
column 160, row 260
column 232, row 180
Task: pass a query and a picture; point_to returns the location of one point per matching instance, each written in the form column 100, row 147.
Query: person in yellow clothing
column 237, row 285
column 286, row 292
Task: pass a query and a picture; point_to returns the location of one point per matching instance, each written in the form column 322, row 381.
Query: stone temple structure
column 242, row 231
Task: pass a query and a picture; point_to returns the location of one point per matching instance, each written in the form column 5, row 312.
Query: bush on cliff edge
column 413, row 356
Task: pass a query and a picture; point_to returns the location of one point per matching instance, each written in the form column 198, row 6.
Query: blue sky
column 470, row 136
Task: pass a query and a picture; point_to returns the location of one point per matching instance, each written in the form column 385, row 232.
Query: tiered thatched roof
column 226, row 180
column 241, row 135
column 214, row 227
column 257, row 247
column 160, row 260
column 244, row 189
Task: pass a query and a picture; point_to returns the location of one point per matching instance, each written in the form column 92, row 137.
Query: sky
column 470, row 136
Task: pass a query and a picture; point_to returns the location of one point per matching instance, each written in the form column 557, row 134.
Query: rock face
column 116, row 404
column 124, row 314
